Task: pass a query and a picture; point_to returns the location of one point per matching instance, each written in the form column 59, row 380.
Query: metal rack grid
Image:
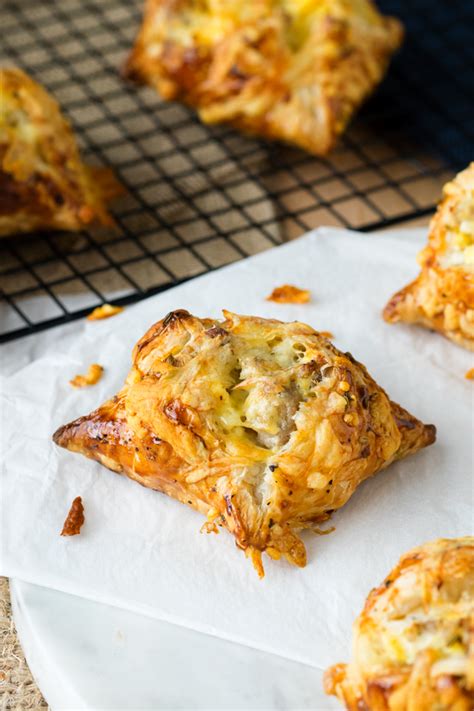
column 200, row 197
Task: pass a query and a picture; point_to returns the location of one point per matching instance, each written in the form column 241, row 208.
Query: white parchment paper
column 142, row 551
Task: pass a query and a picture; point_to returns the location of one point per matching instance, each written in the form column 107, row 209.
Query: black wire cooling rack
column 200, row 197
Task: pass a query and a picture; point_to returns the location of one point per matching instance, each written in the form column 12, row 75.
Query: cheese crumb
column 104, row 311
column 288, row 294
column 92, row 377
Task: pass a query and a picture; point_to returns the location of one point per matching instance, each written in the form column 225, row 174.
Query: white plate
column 85, row 655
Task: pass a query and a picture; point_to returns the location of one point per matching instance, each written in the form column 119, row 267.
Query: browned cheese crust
column 263, row 426
column 43, row 183
column 293, row 70
column 413, row 643
column 442, row 296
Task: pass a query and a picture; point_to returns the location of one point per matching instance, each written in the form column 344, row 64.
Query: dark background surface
column 431, row 84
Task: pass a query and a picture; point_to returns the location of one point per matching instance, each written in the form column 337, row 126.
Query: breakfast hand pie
column 264, row 427
column 293, row 70
column 43, row 183
column 413, row 643
column 442, row 297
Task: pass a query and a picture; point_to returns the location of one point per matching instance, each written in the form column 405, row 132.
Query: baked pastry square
column 264, row 427
column 293, row 70
column 43, row 183
column 442, row 296
column 413, row 643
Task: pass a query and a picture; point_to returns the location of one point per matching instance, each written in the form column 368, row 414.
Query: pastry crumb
column 75, row 518
column 470, row 374
column 288, row 294
column 104, row 311
column 256, row 557
column 92, row 377
column 326, row 334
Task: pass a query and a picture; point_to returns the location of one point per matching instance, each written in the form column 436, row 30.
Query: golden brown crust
column 413, row 645
column 293, row 70
column 442, row 296
column 75, row 518
column 263, row 426
column 43, row 183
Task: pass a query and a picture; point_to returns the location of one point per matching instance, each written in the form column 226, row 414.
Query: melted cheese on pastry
column 294, row 70
column 458, row 247
column 43, row 183
column 413, row 646
column 263, row 426
column 442, row 297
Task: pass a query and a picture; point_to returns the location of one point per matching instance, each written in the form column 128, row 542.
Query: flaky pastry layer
column 442, row 296
column 413, row 643
column 293, row 70
column 264, row 427
column 43, row 183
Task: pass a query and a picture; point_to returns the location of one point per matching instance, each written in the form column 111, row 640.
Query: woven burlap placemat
column 18, row 690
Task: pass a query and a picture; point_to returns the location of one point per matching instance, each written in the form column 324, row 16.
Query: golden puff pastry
column 43, row 183
column 293, row 70
column 442, row 297
column 413, row 643
column 264, row 427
